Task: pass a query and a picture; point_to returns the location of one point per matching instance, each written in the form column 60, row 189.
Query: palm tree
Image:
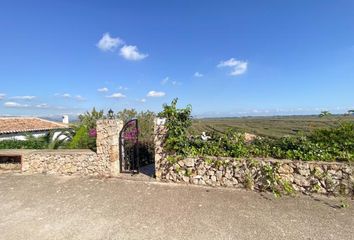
column 55, row 139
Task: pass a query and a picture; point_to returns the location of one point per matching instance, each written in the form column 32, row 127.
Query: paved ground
column 47, row 207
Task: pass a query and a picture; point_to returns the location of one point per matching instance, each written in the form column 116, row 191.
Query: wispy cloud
column 122, row 88
column 165, row 80
column 117, row 96
column 15, row 105
column 42, row 105
column 238, row 67
column 65, row 95
column 69, row 96
column 155, row 94
column 108, row 43
column 198, row 74
column 143, row 100
column 132, row 53
column 24, row 97
column 79, row 98
column 2, row 96
column 104, row 89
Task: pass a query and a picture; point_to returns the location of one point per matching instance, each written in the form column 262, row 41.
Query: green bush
column 82, row 139
column 332, row 144
column 26, row 144
column 329, row 144
column 177, row 122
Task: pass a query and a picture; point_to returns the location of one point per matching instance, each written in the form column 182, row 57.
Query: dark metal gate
column 128, row 144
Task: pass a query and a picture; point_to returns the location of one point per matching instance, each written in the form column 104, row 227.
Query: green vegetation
column 273, row 127
column 326, row 138
column 48, row 141
column 334, row 143
column 27, row 144
column 178, row 121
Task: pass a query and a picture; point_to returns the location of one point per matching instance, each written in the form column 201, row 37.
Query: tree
column 127, row 114
column 351, row 112
column 89, row 119
column 55, row 139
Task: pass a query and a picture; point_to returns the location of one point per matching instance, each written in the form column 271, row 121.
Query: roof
column 27, row 124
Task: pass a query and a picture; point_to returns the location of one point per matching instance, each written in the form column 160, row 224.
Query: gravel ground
column 49, row 207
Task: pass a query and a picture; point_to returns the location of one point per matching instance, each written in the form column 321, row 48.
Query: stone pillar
column 108, row 144
column 159, row 137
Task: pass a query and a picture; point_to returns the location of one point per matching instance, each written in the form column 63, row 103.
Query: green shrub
column 26, row 144
column 330, row 144
column 82, row 139
column 177, row 122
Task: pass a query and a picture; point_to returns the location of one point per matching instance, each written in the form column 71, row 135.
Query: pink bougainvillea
column 93, row 133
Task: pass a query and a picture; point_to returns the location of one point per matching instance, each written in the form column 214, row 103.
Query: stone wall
column 108, row 144
column 160, row 155
column 66, row 162
column 259, row 174
column 77, row 162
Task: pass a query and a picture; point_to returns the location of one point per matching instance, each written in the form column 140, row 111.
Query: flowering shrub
column 93, row 133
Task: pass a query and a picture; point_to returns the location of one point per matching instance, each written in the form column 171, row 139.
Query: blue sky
column 226, row 58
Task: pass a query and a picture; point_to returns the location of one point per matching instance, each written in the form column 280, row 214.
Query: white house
column 20, row 127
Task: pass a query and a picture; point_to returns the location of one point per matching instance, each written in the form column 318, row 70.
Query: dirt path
column 47, row 207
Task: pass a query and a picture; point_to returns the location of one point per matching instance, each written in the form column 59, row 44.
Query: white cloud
column 155, row 94
column 104, row 89
column 15, row 105
column 42, row 105
column 69, row 96
column 80, row 98
column 117, row 95
column 24, row 97
column 238, row 67
column 132, row 53
column 108, row 43
column 143, row 100
column 122, row 88
column 2, row 96
column 198, row 74
column 165, row 80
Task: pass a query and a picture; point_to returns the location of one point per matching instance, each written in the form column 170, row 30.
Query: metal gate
column 128, row 144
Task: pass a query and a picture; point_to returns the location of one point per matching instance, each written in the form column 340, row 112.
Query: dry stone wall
column 306, row 177
column 66, row 162
column 259, row 174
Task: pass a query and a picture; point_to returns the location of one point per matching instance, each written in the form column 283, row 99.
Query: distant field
column 268, row 126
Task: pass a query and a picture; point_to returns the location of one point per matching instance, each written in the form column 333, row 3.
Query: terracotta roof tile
column 27, row 124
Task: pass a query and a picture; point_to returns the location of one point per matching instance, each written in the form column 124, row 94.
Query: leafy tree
column 126, row 114
column 89, row 119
